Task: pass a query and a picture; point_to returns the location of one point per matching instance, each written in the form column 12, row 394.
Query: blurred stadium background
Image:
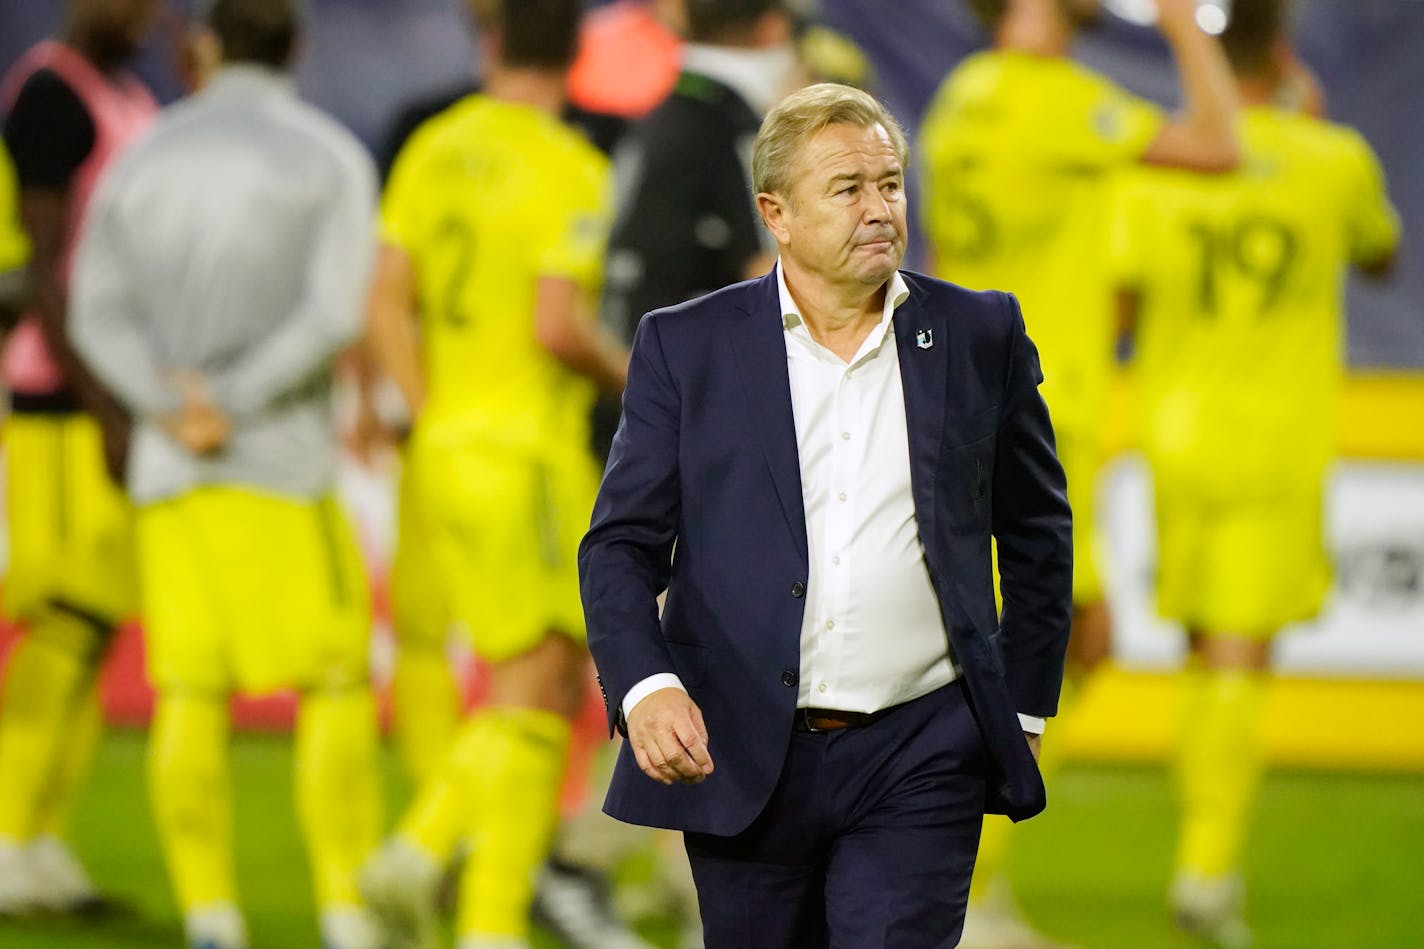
column 1337, row 859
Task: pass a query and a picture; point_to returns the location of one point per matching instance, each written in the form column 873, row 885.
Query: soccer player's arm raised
column 1203, row 136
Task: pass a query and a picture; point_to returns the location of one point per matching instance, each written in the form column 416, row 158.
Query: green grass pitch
column 1335, row 861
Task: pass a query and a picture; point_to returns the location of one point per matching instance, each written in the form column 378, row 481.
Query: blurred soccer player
column 1238, row 285
column 685, row 224
column 72, row 107
column 1020, row 142
column 14, row 248
column 573, row 899
column 224, row 268
column 495, row 222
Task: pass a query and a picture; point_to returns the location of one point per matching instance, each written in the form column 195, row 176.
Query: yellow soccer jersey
column 1018, row 151
column 14, row 247
column 487, row 198
column 1242, row 282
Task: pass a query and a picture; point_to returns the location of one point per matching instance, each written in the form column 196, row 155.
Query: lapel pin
column 924, row 338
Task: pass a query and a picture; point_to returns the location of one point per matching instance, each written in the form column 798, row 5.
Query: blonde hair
column 804, row 113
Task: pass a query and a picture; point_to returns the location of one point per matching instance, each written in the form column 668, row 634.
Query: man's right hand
column 198, row 425
column 669, row 738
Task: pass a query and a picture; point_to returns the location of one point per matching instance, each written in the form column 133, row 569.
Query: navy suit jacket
column 702, row 498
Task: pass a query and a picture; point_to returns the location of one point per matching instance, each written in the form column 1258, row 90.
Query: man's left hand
column 199, row 425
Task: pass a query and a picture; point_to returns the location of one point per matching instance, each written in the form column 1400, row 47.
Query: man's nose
column 877, row 208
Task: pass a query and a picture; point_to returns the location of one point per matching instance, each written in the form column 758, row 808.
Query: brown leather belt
column 829, row 719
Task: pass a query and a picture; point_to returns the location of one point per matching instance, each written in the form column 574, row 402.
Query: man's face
column 121, row 25
column 845, row 216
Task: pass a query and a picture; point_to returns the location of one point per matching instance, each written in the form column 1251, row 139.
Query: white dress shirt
column 872, row 635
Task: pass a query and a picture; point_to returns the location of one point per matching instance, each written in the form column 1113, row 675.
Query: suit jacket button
column 798, row 589
column 788, row 678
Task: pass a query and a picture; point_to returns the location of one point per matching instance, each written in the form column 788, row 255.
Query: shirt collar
column 895, row 294
column 250, row 76
column 744, row 71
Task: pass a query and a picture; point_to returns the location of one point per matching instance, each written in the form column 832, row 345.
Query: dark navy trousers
column 868, row 841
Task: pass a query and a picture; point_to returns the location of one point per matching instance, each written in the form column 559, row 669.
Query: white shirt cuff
column 663, row 680
column 1031, row 725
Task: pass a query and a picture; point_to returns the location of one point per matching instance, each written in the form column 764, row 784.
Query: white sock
column 350, row 927
column 17, row 891
column 60, row 879
column 219, row 925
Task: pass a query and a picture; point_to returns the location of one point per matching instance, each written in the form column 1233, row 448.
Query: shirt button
column 830, row 624
column 845, row 436
column 835, row 561
column 798, row 589
column 788, row 678
column 841, row 496
column 821, row 687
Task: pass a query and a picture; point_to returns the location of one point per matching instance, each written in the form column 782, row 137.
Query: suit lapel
column 760, row 349
column 922, row 340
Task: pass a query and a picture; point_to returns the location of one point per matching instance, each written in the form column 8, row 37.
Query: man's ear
column 774, row 210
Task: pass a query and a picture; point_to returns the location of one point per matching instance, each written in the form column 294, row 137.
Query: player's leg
column 339, row 805
column 1262, row 567
column 1219, row 769
column 49, row 681
column 499, row 788
column 192, row 804
column 510, row 760
column 574, row 900
column 1187, row 540
column 70, row 577
column 64, row 885
column 188, row 771
column 423, row 688
column 298, row 608
column 499, row 519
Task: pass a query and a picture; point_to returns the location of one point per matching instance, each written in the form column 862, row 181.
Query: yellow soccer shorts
column 71, row 527
column 251, row 592
column 506, row 526
column 420, row 607
column 1081, row 458
column 1243, row 569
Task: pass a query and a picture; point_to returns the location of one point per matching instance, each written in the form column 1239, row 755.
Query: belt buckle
column 806, row 721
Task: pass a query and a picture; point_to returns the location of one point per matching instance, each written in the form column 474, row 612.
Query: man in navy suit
column 812, row 465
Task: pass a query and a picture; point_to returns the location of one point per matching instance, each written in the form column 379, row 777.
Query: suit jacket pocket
column 689, row 661
column 966, row 476
column 961, row 429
